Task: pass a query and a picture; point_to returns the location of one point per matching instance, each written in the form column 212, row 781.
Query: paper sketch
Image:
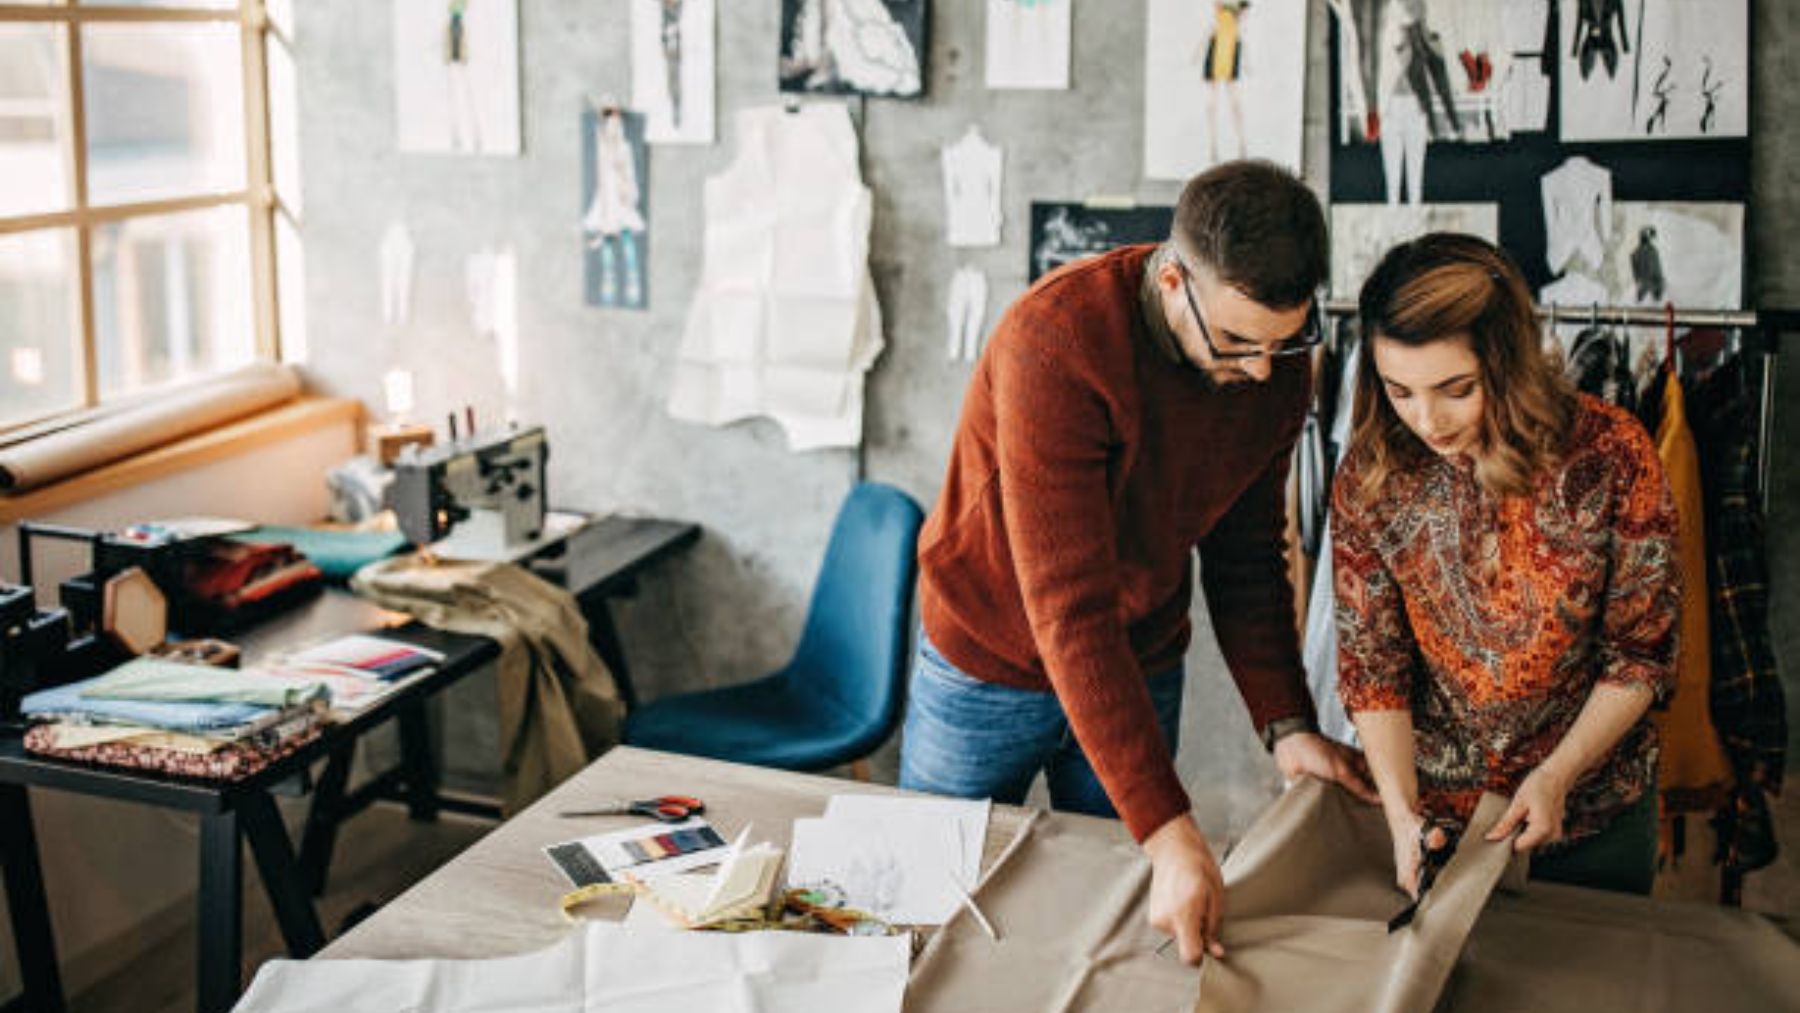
column 672, row 69
column 1687, row 253
column 1415, row 71
column 1028, row 43
column 1642, row 69
column 903, row 860
column 965, row 311
column 1577, row 199
column 1062, row 233
column 615, row 186
column 853, row 47
column 456, row 76
column 1212, row 68
column 1362, row 233
column 972, row 176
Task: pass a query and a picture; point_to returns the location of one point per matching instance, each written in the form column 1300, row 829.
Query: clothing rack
column 1765, row 327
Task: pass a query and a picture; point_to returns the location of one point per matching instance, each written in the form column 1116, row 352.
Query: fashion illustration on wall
column 672, row 69
column 614, row 222
column 456, row 76
column 1028, row 43
column 1064, row 233
column 857, row 47
column 1213, row 69
column 1653, row 69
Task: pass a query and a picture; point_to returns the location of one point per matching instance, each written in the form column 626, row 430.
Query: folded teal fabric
column 337, row 554
column 153, row 679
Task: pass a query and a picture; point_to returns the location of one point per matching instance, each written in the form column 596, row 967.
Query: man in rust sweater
column 1128, row 408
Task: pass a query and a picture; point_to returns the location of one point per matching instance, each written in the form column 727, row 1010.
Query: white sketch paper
column 907, row 861
column 972, row 176
column 1222, row 80
column 672, row 69
column 965, row 313
column 1650, row 69
column 1028, row 43
column 1361, row 234
column 456, row 76
column 603, row 966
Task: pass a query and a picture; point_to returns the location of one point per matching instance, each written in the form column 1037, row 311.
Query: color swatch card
column 644, row 852
column 374, row 657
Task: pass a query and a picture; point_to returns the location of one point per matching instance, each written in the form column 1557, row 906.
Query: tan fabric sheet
column 559, row 706
column 120, row 434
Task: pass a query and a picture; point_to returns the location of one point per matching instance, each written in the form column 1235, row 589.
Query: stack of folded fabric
column 192, row 720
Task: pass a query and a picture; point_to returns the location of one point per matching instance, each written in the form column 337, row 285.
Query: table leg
column 417, row 761
column 320, row 836
column 281, row 875
column 605, row 638
column 221, row 940
column 27, row 902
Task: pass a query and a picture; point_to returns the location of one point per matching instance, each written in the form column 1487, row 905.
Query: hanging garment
column 967, row 314
column 784, row 323
column 1600, row 364
column 1576, row 291
column 396, row 274
column 558, row 705
column 1692, row 773
column 972, row 174
column 1577, row 214
column 617, row 198
column 1321, row 649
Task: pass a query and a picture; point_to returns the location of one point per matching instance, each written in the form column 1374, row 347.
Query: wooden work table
column 500, row 896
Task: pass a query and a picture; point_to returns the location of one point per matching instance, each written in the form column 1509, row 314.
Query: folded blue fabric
column 337, row 554
column 199, row 718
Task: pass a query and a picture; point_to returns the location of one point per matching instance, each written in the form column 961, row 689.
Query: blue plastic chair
column 840, row 697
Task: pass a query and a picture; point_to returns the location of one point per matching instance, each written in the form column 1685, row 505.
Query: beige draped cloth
column 1310, row 892
column 559, row 707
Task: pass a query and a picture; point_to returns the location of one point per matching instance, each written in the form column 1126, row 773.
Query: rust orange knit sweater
column 1087, row 466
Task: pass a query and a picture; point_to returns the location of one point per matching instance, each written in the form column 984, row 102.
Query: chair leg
column 859, row 769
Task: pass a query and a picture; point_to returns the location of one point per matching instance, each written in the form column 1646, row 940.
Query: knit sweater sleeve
column 1053, row 432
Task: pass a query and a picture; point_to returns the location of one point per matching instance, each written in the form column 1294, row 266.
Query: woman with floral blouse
column 1505, row 576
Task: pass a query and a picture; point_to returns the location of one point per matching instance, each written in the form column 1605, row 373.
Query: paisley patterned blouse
column 1492, row 618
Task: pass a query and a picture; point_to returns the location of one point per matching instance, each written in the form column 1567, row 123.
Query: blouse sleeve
column 1643, row 597
column 1376, row 652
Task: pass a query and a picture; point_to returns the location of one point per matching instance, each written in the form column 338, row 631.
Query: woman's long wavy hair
column 1443, row 286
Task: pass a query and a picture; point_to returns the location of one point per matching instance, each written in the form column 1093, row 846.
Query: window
column 146, row 185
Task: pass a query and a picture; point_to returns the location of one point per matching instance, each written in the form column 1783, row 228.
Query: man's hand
column 1187, row 894
column 1313, row 754
column 1538, row 805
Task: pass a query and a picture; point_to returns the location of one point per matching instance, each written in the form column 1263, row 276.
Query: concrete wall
column 731, row 609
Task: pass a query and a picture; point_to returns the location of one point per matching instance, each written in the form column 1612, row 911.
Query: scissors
column 667, row 808
column 1431, row 861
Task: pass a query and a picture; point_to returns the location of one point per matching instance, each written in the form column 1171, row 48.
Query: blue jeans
column 974, row 739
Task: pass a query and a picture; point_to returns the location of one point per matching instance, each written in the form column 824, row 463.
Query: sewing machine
column 475, row 498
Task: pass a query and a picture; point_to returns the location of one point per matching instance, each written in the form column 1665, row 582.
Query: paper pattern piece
column 1064, row 233
column 673, row 69
column 904, row 860
column 1028, row 43
column 785, row 322
column 972, row 173
column 1650, row 69
column 853, row 47
column 1362, row 233
column 492, row 278
column 456, row 76
column 966, row 314
column 615, row 222
column 396, row 274
column 1577, row 214
column 603, row 966
column 1223, row 80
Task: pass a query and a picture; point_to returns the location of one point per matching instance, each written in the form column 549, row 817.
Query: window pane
column 171, row 298
column 284, row 122
column 34, row 130
column 39, row 340
column 290, row 282
column 165, row 110
column 281, row 15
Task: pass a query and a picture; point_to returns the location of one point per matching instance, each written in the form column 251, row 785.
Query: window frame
column 258, row 196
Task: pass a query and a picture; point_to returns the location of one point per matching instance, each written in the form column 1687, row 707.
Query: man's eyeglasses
column 1311, row 333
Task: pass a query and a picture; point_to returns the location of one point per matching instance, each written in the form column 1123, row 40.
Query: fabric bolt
column 973, row 169
column 1692, row 771
column 194, row 716
column 1492, row 618
column 966, row 314
column 153, row 679
column 1087, row 466
column 972, row 739
column 558, row 705
column 785, row 322
column 1577, row 214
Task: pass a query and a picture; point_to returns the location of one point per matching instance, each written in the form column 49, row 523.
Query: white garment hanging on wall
column 1320, row 654
column 396, row 274
column 972, row 174
column 785, row 322
column 1577, row 213
column 966, row 311
column 614, row 208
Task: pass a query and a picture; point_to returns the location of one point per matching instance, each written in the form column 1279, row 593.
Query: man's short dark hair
column 1258, row 227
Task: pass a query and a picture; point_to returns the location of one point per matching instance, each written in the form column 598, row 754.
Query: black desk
column 619, row 548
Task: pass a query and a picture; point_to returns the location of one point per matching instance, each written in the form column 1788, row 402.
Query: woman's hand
column 1405, row 827
column 1538, row 807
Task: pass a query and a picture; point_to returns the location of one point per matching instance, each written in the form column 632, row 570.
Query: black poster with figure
column 1065, row 232
column 854, row 47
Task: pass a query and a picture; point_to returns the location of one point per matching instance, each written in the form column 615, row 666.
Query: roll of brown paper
column 123, row 433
